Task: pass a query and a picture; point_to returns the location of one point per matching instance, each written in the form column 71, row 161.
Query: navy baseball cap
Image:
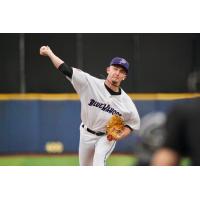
column 120, row 61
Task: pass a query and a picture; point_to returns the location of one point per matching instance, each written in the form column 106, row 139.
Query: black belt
column 93, row 132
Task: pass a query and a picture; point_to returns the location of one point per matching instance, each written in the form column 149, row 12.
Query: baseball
column 43, row 50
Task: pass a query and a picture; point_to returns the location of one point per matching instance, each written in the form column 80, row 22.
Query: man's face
column 116, row 74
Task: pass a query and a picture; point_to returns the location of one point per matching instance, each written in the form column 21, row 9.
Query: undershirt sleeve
column 129, row 127
column 66, row 70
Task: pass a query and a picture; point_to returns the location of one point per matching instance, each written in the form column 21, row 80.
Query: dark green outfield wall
column 159, row 62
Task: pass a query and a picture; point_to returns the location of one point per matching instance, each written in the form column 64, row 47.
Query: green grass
column 61, row 160
column 121, row 160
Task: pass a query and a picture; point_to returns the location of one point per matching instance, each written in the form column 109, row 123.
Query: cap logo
column 122, row 61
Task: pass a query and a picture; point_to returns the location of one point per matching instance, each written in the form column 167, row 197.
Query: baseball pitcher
column 107, row 113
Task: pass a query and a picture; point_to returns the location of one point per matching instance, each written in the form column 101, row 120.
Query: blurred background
column 40, row 112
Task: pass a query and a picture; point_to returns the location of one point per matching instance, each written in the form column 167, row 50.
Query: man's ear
column 125, row 77
column 108, row 69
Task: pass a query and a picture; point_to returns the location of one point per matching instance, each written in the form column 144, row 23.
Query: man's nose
column 117, row 72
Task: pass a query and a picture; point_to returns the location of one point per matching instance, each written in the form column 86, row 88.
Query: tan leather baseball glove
column 114, row 127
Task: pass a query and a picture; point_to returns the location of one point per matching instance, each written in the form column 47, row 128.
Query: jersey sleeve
column 134, row 120
column 79, row 80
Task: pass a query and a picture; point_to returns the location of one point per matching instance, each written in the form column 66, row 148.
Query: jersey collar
column 113, row 92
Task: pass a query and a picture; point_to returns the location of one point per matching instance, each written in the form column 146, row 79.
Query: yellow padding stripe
column 163, row 96
column 74, row 96
column 40, row 96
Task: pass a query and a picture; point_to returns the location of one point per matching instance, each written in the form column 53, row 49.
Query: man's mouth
column 116, row 77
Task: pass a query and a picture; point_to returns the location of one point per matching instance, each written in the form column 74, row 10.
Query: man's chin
column 116, row 83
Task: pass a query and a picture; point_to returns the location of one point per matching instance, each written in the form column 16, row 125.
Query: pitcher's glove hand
column 114, row 127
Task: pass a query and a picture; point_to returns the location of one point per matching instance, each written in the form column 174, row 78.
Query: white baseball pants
column 94, row 150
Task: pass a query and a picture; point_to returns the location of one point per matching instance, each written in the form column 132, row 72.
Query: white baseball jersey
column 98, row 105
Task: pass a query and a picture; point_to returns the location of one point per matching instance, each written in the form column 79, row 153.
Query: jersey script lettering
column 103, row 106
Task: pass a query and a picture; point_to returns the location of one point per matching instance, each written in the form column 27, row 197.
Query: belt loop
column 84, row 126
